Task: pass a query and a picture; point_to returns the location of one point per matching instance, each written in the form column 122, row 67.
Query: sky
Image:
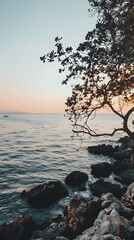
column 27, row 31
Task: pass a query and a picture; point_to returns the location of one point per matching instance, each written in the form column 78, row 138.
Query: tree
column 101, row 67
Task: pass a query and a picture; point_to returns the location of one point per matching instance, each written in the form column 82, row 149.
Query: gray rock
column 61, row 238
column 128, row 198
column 111, row 223
column 53, row 231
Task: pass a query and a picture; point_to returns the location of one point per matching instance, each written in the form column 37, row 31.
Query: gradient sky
column 27, row 31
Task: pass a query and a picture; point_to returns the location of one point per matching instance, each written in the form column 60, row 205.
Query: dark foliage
column 102, row 66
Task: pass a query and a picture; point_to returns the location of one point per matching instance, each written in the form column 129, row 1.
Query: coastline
column 77, row 216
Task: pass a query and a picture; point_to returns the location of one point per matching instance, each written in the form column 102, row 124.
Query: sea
column 37, row 148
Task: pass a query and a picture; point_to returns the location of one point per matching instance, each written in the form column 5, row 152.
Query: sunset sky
column 28, row 29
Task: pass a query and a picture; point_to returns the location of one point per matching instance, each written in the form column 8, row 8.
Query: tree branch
column 94, row 134
column 112, row 108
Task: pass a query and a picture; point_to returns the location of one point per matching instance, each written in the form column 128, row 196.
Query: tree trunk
column 125, row 123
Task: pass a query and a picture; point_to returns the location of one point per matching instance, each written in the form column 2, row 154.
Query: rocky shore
column 107, row 215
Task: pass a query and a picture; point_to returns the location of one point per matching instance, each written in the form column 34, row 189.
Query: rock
column 53, row 231
column 127, row 176
column 109, row 225
column 131, row 143
column 101, row 169
column 123, row 154
column 119, row 166
column 43, row 195
column 100, row 187
column 76, row 178
column 61, row 238
column 128, row 197
column 80, row 214
column 132, row 160
column 124, row 139
column 103, row 149
column 22, row 228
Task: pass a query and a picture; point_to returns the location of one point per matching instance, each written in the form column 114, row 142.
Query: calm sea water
column 38, row 148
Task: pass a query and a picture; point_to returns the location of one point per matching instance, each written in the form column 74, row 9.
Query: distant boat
column 5, row 116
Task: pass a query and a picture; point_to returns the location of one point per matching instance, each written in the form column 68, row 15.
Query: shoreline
column 72, row 231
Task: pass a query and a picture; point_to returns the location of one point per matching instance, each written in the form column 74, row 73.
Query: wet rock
column 132, row 160
column 53, row 231
column 80, row 214
column 100, row 187
column 43, row 195
column 103, row 149
column 76, row 178
column 119, row 166
column 61, row 238
column 124, row 139
column 127, row 176
column 101, row 169
column 131, row 143
column 22, row 228
column 128, row 197
column 123, row 154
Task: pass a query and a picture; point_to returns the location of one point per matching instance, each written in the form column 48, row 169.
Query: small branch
column 112, row 108
column 95, row 134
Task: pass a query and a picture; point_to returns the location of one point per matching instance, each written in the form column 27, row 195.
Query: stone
column 109, row 202
column 76, row 178
column 80, row 214
column 123, row 154
column 100, row 187
column 20, row 229
column 128, row 197
column 53, row 231
column 43, row 195
column 132, row 160
column 119, row 166
column 127, row 176
column 61, row 238
column 131, row 143
column 103, row 149
column 109, row 226
column 101, row 169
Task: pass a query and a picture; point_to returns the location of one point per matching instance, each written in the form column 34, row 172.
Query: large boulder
column 22, row 228
column 103, row 149
column 76, row 178
column 80, row 214
column 43, row 195
column 101, row 169
column 100, row 187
